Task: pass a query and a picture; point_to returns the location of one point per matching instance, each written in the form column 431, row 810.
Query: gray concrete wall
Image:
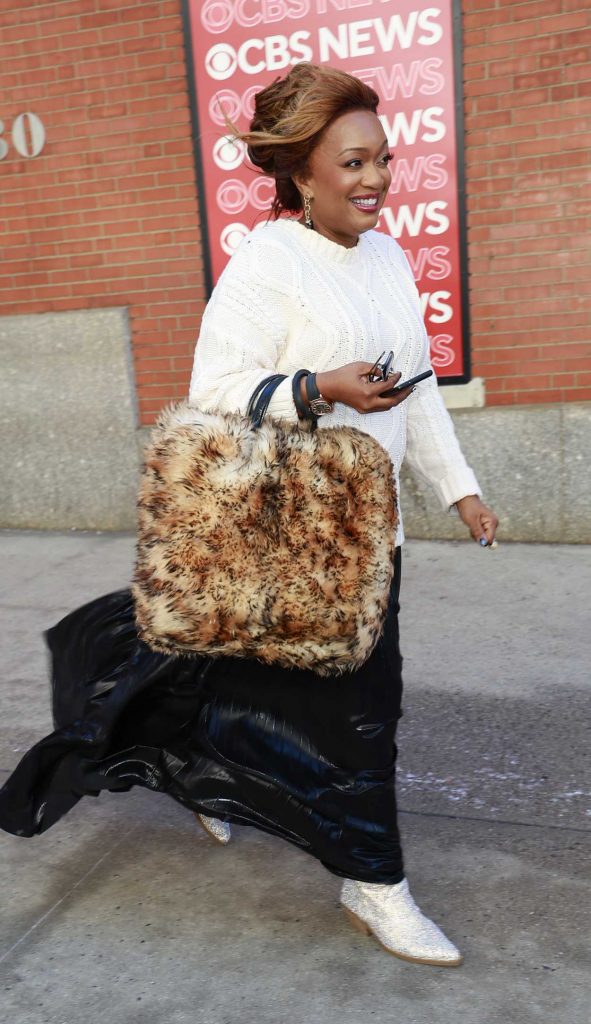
column 68, row 421
column 70, row 441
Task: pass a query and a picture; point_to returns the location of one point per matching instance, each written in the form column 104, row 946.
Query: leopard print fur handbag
column 260, row 538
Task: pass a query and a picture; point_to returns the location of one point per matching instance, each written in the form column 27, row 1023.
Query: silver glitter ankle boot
column 390, row 914
column 218, row 830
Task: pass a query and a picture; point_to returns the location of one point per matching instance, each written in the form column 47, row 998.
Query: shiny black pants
column 308, row 759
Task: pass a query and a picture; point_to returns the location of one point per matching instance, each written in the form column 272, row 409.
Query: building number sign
column 28, row 136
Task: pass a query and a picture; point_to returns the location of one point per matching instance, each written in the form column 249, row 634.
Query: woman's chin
column 366, row 222
column 363, row 220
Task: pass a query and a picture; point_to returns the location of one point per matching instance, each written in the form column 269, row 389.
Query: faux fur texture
column 276, row 543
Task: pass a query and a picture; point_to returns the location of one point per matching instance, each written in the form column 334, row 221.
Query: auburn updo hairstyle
column 290, row 117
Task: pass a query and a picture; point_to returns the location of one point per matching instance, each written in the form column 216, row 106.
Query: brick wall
column 527, row 101
column 108, row 214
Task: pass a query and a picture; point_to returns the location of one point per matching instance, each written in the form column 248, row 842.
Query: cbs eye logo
column 253, row 56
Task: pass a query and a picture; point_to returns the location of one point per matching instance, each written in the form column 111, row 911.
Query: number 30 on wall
column 28, row 135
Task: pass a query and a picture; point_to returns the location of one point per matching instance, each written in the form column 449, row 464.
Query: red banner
column 405, row 51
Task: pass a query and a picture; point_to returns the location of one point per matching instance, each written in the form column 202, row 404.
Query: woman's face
column 349, row 177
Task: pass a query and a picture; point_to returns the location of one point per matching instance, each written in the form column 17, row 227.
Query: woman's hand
column 349, row 384
column 480, row 520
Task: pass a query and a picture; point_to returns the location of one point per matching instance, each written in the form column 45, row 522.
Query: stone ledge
column 464, row 396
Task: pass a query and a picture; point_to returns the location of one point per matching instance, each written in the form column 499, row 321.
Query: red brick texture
column 527, row 104
column 107, row 215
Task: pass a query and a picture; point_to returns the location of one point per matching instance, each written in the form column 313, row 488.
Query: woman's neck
column 347, row 241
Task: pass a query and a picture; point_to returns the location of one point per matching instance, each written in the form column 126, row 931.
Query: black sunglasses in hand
column 382, row 371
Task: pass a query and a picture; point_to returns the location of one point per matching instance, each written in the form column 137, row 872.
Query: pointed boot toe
column 389, row 913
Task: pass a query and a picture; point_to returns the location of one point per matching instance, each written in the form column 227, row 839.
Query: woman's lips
column 367, row 204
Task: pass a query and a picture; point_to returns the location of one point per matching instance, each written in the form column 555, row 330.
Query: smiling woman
column 317, row 133
column 332, row 297
column 347, row 186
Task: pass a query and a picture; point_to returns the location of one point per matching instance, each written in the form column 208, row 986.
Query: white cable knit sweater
column 291, row 298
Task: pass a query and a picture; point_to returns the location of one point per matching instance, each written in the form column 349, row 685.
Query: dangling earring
column 308, row 211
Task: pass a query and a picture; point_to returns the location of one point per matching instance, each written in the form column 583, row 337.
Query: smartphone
column 406, row 384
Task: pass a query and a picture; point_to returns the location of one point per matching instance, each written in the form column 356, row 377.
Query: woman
column 326, row 292
column 308, row 759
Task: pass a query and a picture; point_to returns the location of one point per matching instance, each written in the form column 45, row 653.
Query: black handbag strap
column 261, row 397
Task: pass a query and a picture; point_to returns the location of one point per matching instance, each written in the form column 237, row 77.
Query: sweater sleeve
column 242, row 335
column 432, row 448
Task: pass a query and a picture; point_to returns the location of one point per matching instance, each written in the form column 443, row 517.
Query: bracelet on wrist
column 303, row 410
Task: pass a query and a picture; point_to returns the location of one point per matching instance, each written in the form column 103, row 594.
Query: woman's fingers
column 375, row 391
column 391, row 403
column 350, row 384
column 489, row 523
column 485, row 526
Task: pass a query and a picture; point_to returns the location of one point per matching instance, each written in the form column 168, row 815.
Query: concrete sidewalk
column 125, row 911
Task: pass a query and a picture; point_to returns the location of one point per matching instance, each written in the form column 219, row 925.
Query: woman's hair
column 290, row 117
